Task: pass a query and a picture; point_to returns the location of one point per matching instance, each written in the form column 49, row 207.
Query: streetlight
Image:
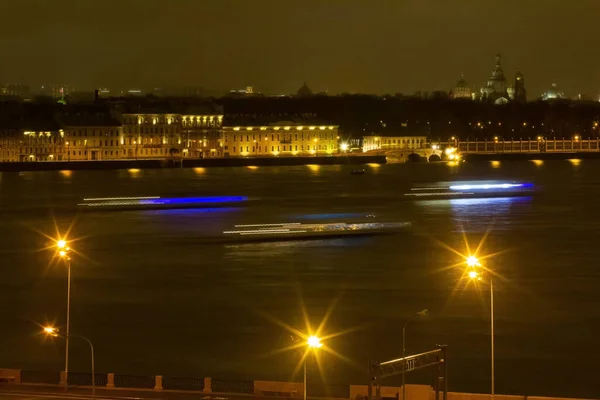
column 63, row 252
column 473, row 263
column 52, row 331
column 316, row 151
column 417, row 315
column 313, row 342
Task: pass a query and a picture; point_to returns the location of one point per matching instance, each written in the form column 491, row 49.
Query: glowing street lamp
column 473, row 263
column 54, row 332
column 63, row 252
column 312, row 343
column 421, row 313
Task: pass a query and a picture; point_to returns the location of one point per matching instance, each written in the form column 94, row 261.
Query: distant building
column 91, row 133
column 552, row 93
column 183, row 131
column 371, row 143
column 201, row 130
column 520, row 94
column 461, row 90
column 304, row 91
column 274, row 136
column 248, row 91
column 495, row 90
column 56, row 91
column 15, row 90
column 29, row 133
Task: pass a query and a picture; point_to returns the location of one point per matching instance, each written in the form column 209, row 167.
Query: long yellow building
column 283, row 138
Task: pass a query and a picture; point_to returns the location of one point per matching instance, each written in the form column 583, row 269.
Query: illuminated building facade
column 282, row 138
column 371, row 143
column 18, row 145
column 152, row 135
column 161, row 135
column 202, row 135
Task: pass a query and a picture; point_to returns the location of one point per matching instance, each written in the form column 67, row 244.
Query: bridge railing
column 529, row 146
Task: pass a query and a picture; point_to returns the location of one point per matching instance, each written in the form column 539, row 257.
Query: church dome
column 553, row 93
column 304, row 91
column 461, row 90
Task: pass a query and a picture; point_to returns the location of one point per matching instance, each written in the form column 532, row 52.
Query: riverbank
column 530, row 156
column 190, row 163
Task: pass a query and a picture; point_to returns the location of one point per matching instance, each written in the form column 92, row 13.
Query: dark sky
column 372, row 46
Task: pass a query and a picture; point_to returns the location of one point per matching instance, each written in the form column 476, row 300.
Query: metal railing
column 131, row 381
column 172, row 383
column 227, row 386
column 85, row 379
column 530, row 146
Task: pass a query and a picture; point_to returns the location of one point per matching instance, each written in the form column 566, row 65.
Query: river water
column 156, row 298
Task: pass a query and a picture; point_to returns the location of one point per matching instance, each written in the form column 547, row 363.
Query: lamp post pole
column 492, row 332
column 473, row 263
column 49, row 330
column 304, row 390
column 68, row 322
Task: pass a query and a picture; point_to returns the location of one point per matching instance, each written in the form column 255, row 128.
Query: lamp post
column 316, row 151
column 473, row 263
column 52, row 331
column 63, row 252
column 417, row 315
column 313, row 342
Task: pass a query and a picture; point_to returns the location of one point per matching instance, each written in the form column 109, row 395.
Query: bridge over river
column 540, row 145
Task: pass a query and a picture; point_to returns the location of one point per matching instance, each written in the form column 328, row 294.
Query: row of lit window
column 285, row 148
column 287, row 128
column 93, row 133
column 274, row 136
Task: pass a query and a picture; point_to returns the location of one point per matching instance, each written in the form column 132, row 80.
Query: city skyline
column 378, row 48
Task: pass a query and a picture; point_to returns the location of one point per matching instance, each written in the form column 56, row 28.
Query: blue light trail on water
column 332, row 215
column 191, row 211
column 195, row 200
column 489, row 201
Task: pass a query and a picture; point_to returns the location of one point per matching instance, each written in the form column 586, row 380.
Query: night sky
column 370, row 46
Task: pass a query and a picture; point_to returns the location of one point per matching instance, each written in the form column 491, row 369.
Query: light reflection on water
column 476, row 214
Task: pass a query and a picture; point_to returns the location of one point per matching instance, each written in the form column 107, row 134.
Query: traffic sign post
column 436, row 358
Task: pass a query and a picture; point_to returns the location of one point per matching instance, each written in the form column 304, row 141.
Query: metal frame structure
column 437, row 358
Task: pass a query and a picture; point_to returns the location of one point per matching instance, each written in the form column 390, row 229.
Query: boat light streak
column 491, row 186
column 270, row 233
column 266, row 225
column 142, row 201
column 438, row 194
column 259, row 230
column 120, row 198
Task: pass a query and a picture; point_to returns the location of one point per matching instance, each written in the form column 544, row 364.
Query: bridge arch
column 434, row 158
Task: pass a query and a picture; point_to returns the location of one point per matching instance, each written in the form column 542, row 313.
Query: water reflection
column 575, row 162
column 475, row 214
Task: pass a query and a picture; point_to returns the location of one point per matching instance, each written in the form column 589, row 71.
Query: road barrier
column 225, row 386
